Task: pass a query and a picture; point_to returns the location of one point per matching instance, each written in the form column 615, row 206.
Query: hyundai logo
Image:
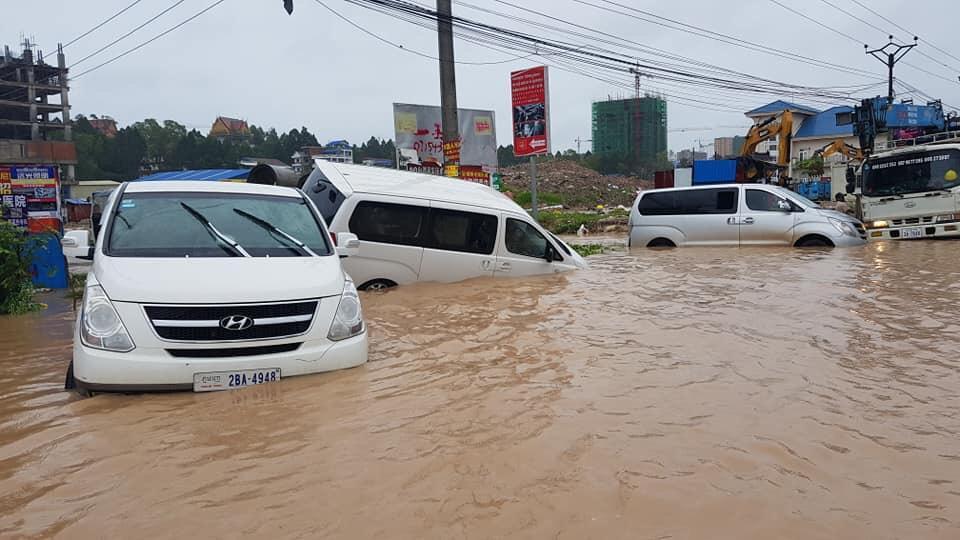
column 236, row 323
column 910, row 204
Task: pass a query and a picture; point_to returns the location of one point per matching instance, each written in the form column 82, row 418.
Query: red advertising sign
column 531, row 126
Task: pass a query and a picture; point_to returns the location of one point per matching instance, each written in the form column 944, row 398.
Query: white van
column 737, row 214
column 418, row 227
column 211, row 286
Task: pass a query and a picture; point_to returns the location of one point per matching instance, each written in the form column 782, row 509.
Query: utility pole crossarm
column 890, row 54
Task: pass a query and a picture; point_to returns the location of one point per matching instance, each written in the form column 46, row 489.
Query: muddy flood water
column 662, row 394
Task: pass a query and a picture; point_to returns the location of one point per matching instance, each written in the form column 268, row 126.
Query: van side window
column 462, row 231
column 523, row 239
column 388, row 223
column 690, row 202
column 764, row 201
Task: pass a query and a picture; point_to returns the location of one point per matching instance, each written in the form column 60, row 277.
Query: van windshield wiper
column 274, row 229
column 235, row 248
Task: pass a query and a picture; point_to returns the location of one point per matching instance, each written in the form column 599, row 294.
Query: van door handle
column 503, row 267
column 732, row 221
column 486, row 264
column 748, row 221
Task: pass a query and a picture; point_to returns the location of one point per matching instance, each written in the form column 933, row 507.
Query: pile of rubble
column 577, row 186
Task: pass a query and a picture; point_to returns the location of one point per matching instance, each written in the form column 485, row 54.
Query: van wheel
column 661, row 243
column 70, row 383
column 377, row 285
column 813, row 240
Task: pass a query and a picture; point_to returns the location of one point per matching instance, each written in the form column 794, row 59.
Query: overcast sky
column 249, row 59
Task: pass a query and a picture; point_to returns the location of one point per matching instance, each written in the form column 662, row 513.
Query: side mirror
column 77, row 244
column 551, row 253
column 348, row 245
column 851, row 180
column 784, row 206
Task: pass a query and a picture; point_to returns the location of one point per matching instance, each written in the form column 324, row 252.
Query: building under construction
column 35, row 112
column 634, row 127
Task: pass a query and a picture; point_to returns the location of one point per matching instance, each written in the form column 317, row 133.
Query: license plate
column 912, row 232
column 228, row 380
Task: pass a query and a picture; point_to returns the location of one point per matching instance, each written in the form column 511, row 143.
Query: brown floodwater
column 689, row 393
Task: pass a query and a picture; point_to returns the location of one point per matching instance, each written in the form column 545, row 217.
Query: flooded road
column 662, row 394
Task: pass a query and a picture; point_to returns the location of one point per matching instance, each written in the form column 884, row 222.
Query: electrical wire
column 848, row 36
column 108, row 19
column 149, row 41
column 406, row 49
column 904, row 29
column 125, row 36
column 587, row 55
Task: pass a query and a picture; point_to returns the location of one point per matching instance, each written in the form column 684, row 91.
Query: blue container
column 714, row 171
column 826, row 190
column 49, row 266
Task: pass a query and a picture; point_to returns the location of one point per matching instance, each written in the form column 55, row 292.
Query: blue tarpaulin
column 208, row 175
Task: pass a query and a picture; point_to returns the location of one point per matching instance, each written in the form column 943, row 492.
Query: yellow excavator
column 778, row 126
column 840, row 146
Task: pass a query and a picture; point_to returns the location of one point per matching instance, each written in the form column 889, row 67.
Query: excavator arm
column 781, row 126
column 840, row 146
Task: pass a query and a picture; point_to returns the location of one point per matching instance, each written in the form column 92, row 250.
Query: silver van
column 737, row 214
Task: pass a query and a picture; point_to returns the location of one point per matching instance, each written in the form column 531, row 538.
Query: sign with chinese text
column 531, row 122
column 420, row 145
column 28, row 194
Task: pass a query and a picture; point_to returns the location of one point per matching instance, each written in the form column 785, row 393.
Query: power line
column 904, row 29
column 728, row 39
column 405, row 49
column 112, row 17
column 114, row 42
column 848, row 36
column 151, row 40
column 588, row 55
column 875, row 27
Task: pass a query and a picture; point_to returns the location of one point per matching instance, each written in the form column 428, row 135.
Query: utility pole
column 448, row 90
column 890, row 54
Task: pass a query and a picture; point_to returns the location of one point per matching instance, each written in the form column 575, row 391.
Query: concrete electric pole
column 448, row 90
column 890, row 58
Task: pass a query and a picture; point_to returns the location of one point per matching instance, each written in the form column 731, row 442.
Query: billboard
column 420, row 145
column 29, row 195
column 531, row 110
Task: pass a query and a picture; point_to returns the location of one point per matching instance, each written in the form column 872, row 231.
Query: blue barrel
column 49, row 266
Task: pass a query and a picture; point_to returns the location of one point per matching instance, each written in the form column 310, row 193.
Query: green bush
column 523, row 198
column 16, row 284
column 586, row 250
column 568, row 222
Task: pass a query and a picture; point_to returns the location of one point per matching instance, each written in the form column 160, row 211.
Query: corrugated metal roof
column 825, row 125
column 779, row 106
column 210, row 175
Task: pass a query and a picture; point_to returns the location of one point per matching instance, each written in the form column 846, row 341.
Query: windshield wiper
column 274, row 229
column 235, row 248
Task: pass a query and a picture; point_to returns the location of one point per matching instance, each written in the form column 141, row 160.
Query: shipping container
column 683, row 177
column 663, row 179
column 714, row 171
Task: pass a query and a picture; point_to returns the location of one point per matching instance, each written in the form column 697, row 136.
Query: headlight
column 945, row 218
column 878, row 224
column 348, row 321
column 844, row 227
column 100, row 324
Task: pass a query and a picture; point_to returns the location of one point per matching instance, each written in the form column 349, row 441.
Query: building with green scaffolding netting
column 634, row 127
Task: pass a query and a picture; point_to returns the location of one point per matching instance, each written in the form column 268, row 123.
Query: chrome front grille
column 211, row 323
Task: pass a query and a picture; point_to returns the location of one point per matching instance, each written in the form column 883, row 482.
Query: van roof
column 687, row 188
column 382, row 181
column 162, row 186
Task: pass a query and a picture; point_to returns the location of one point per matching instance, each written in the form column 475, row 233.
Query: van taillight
column 333, row 236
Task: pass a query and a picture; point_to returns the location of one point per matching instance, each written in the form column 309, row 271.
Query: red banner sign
column 531, row 127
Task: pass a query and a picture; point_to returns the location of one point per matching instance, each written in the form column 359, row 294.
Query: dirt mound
column 573, row 185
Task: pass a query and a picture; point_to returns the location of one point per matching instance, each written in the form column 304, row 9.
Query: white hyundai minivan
column 419, row 227
column 212, row 286
column 737, row 215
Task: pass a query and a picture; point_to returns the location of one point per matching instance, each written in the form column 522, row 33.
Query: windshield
column 214, row 225
column 911, row 173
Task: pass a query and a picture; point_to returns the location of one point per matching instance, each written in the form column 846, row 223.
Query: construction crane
column 777, row 126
